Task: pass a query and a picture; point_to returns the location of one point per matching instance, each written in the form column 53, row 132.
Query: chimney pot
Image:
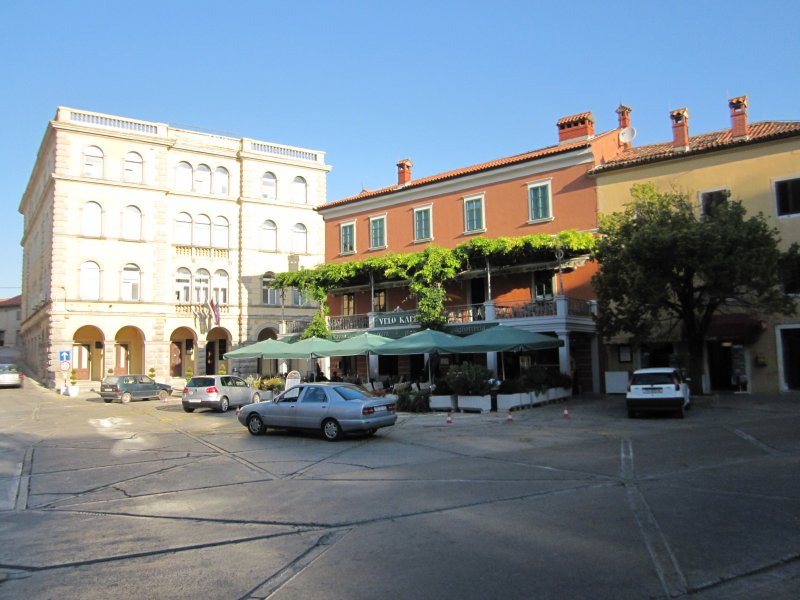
column 404, row 171
column 739, row 126
column 575, row 127
column 624, row 113
column 680, row 128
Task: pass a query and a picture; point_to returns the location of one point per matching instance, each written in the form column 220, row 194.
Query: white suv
column 661, row 389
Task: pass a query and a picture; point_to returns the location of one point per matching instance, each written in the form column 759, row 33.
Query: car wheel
column 331, row 430
column 256, row 397
column 255, row 425
column 163, row 395
column 126, row 397
column 107, row 400
column 223, row 405
column 188, row 409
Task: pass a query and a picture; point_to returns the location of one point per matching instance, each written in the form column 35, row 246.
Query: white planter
column 73, row 390
column 475, row 403
column 549, row 395
column 511, row 401
column 443, row 403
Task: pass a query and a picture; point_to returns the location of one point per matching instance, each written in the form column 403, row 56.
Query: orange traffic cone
column 566, row 414
column 509, row 418
column 449, row 418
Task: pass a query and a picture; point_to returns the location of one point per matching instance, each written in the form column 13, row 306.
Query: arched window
column 221, row 181
column 202, row 231
column 90, row 281
column 269, row 186
column 183, row 285
column 299, row 191
column 202, row 179
column 132, row 168
column 93, row 162
column 91, row 219
column 219, row 287
column 269, row 236
column 183, row 229
column 269, row 295
column 201, row 286
column 132, row 223
column 131, row 282
column 299, row 239
column 220, row 233
column 183, row 177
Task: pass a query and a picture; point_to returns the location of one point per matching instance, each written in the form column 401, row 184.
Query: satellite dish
column 626, row 135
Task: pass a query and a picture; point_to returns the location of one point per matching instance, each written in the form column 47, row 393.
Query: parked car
column 132, row 387
column 11, row 376
column 658, row 389
column 332, row 408
column 219, row 392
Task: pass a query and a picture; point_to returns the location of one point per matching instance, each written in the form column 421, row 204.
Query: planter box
column 549, row 395
column 73, row 390
column 443, row 403
column 510, row 401
column 475, row 403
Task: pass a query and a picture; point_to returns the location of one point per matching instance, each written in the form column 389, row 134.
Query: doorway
column 790, row 343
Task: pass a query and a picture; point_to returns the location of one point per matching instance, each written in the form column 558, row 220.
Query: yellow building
column 149, row 246
column 758, row 164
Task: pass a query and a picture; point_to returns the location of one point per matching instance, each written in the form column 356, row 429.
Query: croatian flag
column 214, row 310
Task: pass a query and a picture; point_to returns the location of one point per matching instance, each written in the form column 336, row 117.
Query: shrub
column 442, row 388
column 273, row 384
column 409, row 400
column 468, row 379
column 512, row 386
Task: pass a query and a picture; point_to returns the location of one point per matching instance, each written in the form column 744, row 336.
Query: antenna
column 626, row 135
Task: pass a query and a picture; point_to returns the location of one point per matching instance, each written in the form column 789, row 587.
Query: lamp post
column 559, row 258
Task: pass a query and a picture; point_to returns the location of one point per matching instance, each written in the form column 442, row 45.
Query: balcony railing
column 471, row 313
column 202, row 252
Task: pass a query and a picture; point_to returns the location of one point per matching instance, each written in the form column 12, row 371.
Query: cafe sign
column 394, row 319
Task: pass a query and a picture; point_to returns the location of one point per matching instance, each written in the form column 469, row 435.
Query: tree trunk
column 696, row 345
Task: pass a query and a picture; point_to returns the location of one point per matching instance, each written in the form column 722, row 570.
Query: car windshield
column 200, row 382
column 352, row 393
column 653, row 379
column 9, row 369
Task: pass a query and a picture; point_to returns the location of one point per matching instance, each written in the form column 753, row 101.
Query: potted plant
column 442, row 396
column 73, row 389
column 271, row 387
column 151, row 373
column 188, row 373
column 471, row 384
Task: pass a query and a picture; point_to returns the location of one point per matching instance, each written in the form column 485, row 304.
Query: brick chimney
column 680, row 128
column 404, row 171
column 624, row 113
column 575, row 127
column 738, row 108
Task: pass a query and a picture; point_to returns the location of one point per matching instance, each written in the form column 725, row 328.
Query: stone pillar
column 563, row 353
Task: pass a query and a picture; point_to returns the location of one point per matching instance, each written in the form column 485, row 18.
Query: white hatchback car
column 658, row 389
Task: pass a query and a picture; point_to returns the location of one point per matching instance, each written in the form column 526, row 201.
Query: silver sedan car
column 332, row 408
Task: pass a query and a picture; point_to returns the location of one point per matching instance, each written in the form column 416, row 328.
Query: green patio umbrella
column 363, row 343
column 313, row 347
column 503, row 338
column 422, row 342
column 258, row 349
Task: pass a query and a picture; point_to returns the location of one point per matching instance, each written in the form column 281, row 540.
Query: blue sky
column 447, row 84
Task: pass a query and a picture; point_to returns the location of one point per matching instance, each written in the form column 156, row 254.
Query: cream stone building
column 148, row 246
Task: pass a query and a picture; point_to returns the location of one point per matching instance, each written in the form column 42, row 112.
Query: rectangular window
column 377, row 232
column 347, row 238
column 787, row 193
column 422, row 224
column 543, row 285
column 711, row 200
column 348, row 304
column 473, row 214
column 379, row 301
column 539, row 208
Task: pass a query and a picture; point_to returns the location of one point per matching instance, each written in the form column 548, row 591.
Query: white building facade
column 151, row 247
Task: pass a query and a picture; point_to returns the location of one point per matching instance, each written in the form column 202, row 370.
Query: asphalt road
column 145, row 501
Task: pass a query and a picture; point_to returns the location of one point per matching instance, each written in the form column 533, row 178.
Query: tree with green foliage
column 664, row 267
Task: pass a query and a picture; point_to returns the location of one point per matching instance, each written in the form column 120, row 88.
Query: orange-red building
column 545, row 191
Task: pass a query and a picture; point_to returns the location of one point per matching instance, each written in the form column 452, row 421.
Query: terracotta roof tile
column 573, row 118
column 15, row 301
column 762, row 131
column 493, row 164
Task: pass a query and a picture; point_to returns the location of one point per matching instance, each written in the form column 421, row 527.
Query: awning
column 734, row 328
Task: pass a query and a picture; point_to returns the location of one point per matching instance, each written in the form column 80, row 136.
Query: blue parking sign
column 64, row 355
